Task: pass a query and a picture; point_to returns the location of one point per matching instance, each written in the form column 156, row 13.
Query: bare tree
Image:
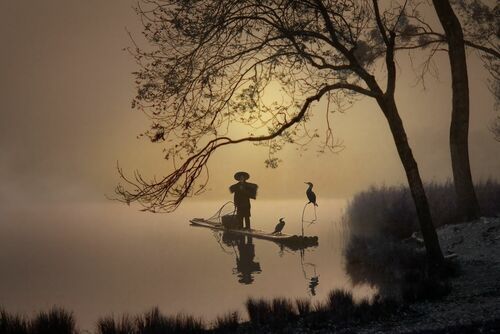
column 480, row 32
column 481, row 28
column 467, row 201
column 209, row 64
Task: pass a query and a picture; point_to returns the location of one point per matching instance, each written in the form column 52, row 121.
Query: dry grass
column 227, row 323
column 151, row 322
column 55, row 321
column 389, row 211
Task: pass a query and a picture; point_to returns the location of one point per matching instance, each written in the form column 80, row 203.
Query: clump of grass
column 14, row 324
column 258, row 310
column 320, row 307
column 341, row 308
column 227, row 323
column 303, row 306
column 55, row 321
column 340, row 303
column 276, row 312
column 109, row 325
column 283, row 309
column 151, row 322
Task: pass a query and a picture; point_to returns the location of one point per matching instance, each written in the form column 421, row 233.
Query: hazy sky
column 65, row 117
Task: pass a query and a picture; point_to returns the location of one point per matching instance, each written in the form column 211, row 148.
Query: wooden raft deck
column 294, row 242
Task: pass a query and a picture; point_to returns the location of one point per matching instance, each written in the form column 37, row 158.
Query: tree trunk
column 466, row 200
column 434, row 253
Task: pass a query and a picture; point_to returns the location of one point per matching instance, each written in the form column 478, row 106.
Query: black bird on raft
column 279, row 226
column 311, row 196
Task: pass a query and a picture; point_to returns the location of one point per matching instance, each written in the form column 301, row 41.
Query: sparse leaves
column 210, row 67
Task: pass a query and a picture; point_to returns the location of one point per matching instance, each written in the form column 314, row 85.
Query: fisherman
column 243, row 191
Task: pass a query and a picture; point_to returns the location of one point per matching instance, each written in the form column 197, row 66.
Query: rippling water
column 102, row 259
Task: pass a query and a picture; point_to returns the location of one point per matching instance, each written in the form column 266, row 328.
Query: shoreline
column 473, row 304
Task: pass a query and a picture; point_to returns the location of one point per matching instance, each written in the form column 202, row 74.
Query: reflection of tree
column 396, row 269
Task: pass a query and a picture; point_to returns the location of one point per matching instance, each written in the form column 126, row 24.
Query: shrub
column 13, row 324
column 277, row 312
column 109, row 325
column 389, row 211
column 55, row 321
column 258, row 310
column 341, row 303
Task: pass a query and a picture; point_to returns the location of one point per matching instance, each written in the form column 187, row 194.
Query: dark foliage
column 227, row 323
column 389, row 210
column 303, row 306
column 372, row 260
column 55, row 321
column 13, row 324
column 276, row 312
column 340, row 303
column 151, row 322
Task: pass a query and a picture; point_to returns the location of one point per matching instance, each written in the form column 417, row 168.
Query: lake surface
column 110, row 259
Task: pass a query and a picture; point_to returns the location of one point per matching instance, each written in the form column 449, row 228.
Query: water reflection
column 245, row 264
column 244, row 252
column 397, row 269
column 98, row 259
column 310, row 274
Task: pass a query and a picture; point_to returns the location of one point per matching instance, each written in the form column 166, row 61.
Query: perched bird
column 279, row 226
column 311, row 196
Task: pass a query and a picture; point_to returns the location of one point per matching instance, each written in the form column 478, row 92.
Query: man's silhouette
column 243, row 191
column 245, row 264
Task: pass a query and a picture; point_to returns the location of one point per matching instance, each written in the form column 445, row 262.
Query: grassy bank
column 377, row 221
column 55, row 321
column 275, row 315
column 380, row 223
column 389, row 210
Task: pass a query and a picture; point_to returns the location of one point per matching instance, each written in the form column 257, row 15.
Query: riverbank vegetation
column 264, row 315
column 389, row 211
column 379, row 223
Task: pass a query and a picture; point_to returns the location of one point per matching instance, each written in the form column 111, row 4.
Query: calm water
column 103, row 259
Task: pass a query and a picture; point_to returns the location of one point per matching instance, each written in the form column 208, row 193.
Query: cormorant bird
column 311, row 196
column 279, row 226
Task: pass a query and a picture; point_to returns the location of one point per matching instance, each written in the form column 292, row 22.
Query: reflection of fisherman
column 245, row 263
column 243, row 191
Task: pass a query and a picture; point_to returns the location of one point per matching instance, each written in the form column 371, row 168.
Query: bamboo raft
column 294, row 242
